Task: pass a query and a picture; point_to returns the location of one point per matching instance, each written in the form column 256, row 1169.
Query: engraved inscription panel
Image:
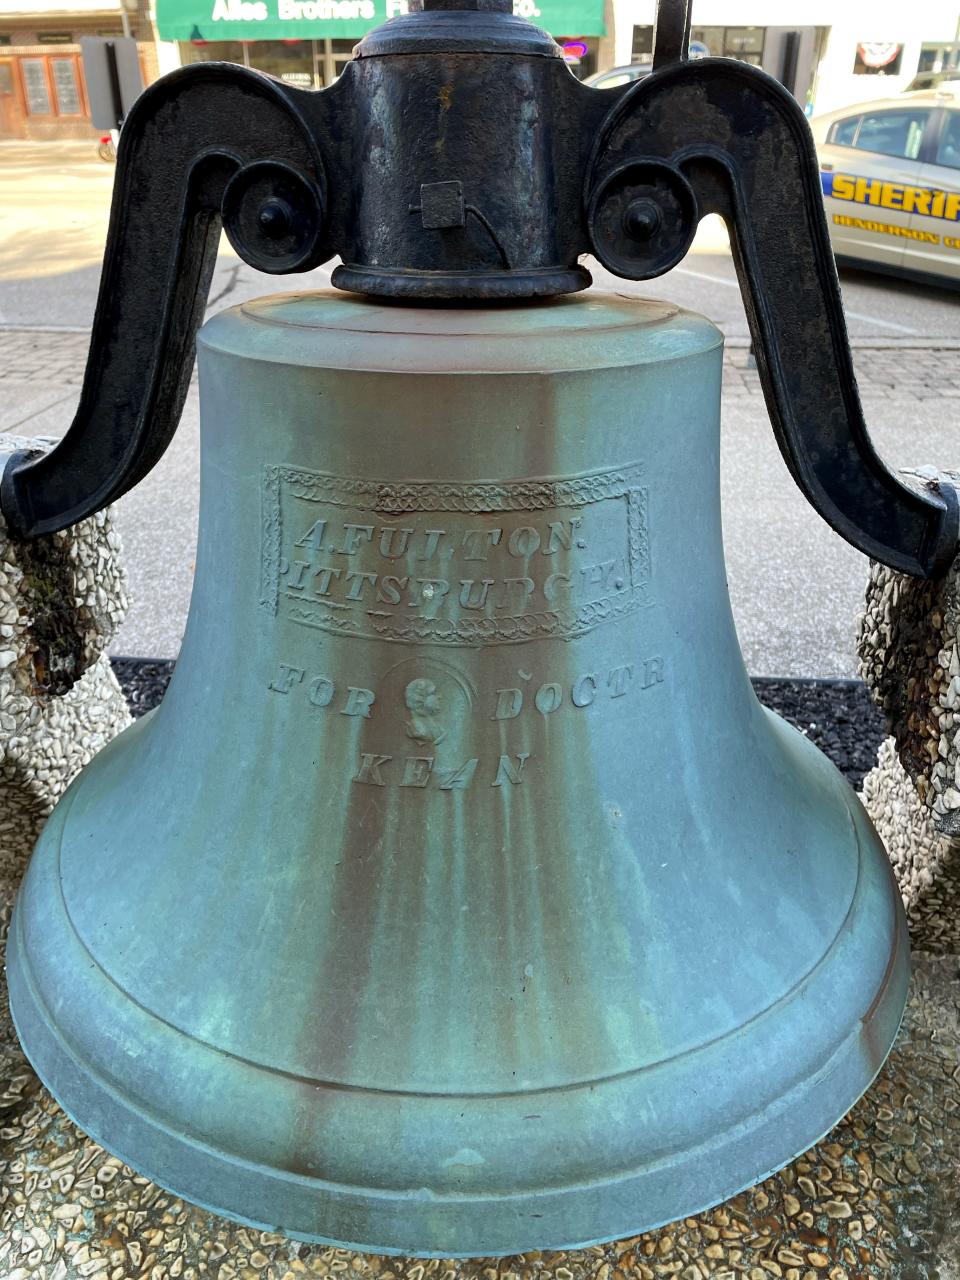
column 452, row 563
column 426, row 718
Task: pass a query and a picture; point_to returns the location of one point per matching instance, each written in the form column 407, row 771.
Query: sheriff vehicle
column 890, row 172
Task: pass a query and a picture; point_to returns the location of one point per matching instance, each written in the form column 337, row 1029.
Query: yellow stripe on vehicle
column 929, row 202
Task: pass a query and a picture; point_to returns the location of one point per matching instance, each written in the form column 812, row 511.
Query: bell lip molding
column 322, row 329
column 81, row 1066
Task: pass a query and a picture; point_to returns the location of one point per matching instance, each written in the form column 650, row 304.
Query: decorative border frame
column 389, row 498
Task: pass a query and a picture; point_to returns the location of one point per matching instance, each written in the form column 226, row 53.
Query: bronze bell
column 514, row 922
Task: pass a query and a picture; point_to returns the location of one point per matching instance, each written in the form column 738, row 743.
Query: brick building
column 42, row 90
column 831, row 54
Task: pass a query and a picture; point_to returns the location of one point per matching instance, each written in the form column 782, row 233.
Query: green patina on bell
column 460, row 898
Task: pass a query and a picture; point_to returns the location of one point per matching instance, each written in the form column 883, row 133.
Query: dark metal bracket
column 174, row 188
column 718, row 136
column 671, row 34
column 428, row 170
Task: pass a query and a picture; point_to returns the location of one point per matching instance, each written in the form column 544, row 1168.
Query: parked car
column 890, row 172
column 618, row 76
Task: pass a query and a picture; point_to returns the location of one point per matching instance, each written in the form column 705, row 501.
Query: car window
column 844, row 132
column 892, row 133
column 614, row 82
column 948, row 152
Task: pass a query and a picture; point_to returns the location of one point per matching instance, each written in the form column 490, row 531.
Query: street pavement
column 796, row 586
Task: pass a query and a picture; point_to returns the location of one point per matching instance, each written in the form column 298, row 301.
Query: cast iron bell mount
column 382, row 940
column 410, row 169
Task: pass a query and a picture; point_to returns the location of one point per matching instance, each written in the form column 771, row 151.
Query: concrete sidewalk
column 796, row 586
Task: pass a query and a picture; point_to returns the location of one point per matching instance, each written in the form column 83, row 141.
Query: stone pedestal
column 909, row 647
column 62, row 599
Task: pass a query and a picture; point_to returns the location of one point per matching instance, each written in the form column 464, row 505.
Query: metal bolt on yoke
column 275, row 219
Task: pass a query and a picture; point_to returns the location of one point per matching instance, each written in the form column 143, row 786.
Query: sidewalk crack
column 229, row 287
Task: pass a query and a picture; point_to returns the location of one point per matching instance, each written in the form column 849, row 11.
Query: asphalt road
column 795, row 586
column 54, row 205
column 876, row 307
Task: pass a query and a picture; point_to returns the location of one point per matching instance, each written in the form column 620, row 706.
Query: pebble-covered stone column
column 909, row 648
column 62, row 599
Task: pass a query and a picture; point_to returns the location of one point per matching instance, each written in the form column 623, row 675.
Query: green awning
column 338, row 19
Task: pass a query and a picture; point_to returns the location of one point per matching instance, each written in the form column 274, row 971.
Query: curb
column 875, row 344
column 735, row 343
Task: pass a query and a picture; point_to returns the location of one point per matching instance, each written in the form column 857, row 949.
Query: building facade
column 831, row 53
column 43, row 93
column 851, row 50
column 306, row 42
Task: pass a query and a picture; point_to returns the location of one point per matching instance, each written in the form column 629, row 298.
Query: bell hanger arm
column 671, row 35
column 192, row 156
column 719, row 136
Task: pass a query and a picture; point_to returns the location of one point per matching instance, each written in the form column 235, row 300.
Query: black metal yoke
column 458, row 159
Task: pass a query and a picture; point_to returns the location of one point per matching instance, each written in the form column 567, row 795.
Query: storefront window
column 35, row 86
column 307, row 64
column 711, row 38
column 642, row 50
column 937, row 58
column 878, row 58
column 66, row 86
column 743, row 43
column 212, row 51
column 289, row 60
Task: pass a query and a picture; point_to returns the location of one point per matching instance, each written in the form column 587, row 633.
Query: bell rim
column 547, row 1242
column 475, row 1218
